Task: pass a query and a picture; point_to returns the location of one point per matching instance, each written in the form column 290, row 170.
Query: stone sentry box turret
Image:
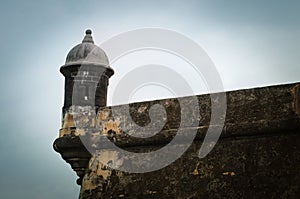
column 87, row 74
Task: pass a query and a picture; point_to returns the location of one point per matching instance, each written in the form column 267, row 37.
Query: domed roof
column 87, row 53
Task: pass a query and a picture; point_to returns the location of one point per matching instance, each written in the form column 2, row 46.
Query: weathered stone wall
column 246, row 167
column 257, row 155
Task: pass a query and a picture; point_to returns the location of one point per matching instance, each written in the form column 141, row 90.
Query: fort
column 256, row 156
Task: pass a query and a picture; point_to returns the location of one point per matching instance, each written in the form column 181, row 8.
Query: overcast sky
column 252, row 43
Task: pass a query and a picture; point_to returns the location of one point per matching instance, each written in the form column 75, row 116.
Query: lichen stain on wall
column 100, row 168
column 111, row 126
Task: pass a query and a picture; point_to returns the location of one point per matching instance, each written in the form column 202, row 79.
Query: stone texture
column 257, row 155
column 250, row 167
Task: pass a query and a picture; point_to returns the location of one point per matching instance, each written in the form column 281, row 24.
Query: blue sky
column 252, row 43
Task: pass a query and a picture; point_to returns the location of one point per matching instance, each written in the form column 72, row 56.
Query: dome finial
column 88, row 37
column 88, row 32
